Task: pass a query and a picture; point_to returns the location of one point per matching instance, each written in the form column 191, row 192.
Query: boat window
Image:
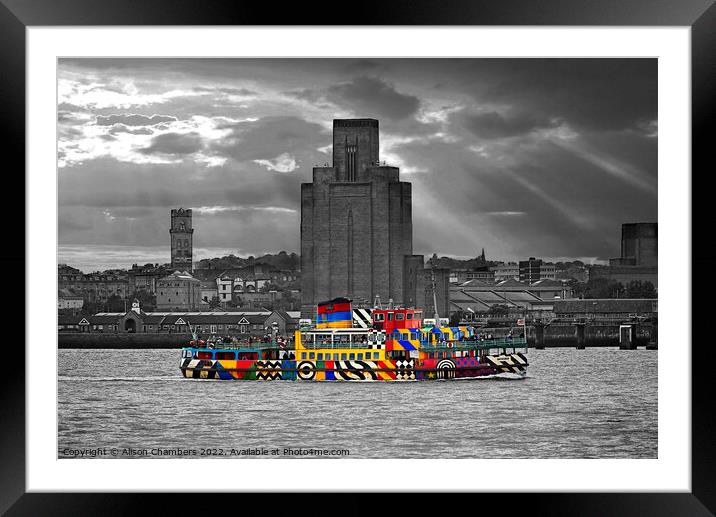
column 399, row 316
column 375, row 355
column 378, row 316
column 303, row 355
column 409, row 316
column 413, row 336
column 390, row 316
column 203, row 355
column 312, row 355
column 371, row 338
column 343, row 357
column 320, row 356
column 352, row 357
column 360, row 356
column 335, row 357
column 226, row 355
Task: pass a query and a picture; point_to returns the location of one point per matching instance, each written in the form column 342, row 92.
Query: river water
column 593, row 403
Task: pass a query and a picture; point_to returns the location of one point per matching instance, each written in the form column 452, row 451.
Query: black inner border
column 700, row 15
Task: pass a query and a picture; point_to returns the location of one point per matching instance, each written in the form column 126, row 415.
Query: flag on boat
column 521, row 321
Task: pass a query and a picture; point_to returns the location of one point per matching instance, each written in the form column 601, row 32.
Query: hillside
column 281, row 260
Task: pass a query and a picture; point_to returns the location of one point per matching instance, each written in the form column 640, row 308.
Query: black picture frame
column 700, row 15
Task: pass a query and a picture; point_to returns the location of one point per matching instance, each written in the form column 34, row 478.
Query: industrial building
column 639, row 258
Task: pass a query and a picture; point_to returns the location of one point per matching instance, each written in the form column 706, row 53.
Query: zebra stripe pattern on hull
column 355, row 371
column 508, row 364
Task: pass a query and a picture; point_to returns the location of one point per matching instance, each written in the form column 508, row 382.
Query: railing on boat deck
column 271, row 345
column 483, row 344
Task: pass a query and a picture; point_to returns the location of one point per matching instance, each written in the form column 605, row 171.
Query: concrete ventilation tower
column 356, row 223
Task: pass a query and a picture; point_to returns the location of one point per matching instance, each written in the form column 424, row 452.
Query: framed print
column 408, row 221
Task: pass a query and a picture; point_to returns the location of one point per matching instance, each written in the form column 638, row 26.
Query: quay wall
column 554, row 336
column 121, row 341
column 594, row 336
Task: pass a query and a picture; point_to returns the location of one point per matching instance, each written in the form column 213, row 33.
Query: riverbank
column 594, row 336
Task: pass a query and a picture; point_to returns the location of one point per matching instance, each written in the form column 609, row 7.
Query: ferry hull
column 387, row 370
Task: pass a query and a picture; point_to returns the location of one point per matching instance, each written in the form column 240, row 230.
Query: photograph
column 433, row 258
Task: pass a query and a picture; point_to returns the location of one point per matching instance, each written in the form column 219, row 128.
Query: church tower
column 181, row 239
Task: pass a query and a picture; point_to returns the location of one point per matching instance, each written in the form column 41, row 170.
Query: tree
column 115, row 304
column 499, row 309
column 577, row 287
column 214, row 302
column 639, row 289
column 89, row 308
column 603, row 288
column 147, row 300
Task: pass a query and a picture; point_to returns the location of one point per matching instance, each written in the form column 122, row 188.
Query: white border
column 671, row 471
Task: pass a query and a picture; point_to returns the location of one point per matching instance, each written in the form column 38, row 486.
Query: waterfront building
column 96, row 287
column 506, row 272
column 68, row 299
column 480, row 297
column 144, row 278
column 181, row 234
column 639, row 245
column 286, row 322
column 208, row 290
column 533, row 269
column 220, row 323
column 69, row 277
column 178, row 291
column 639, row 258
column 224, row 286
column 483, row 273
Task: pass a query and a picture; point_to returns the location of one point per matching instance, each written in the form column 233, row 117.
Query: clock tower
column 181, row 234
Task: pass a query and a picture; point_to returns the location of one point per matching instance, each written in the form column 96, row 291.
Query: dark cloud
column 591, row 94
column 256, row 207
column 66, row 117
column 133, row 120
column 269, row 137
column 94, row 184
column 132, row 212
column 305, row 94
column 174, row 143
column 373, row 97
column 228, row 91
column 467, row 133
column 495, row 125
column 363, row 66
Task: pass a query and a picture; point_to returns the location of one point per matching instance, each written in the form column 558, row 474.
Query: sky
column 522, row 157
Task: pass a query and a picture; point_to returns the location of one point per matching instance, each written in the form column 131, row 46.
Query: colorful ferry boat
column 400, row 346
